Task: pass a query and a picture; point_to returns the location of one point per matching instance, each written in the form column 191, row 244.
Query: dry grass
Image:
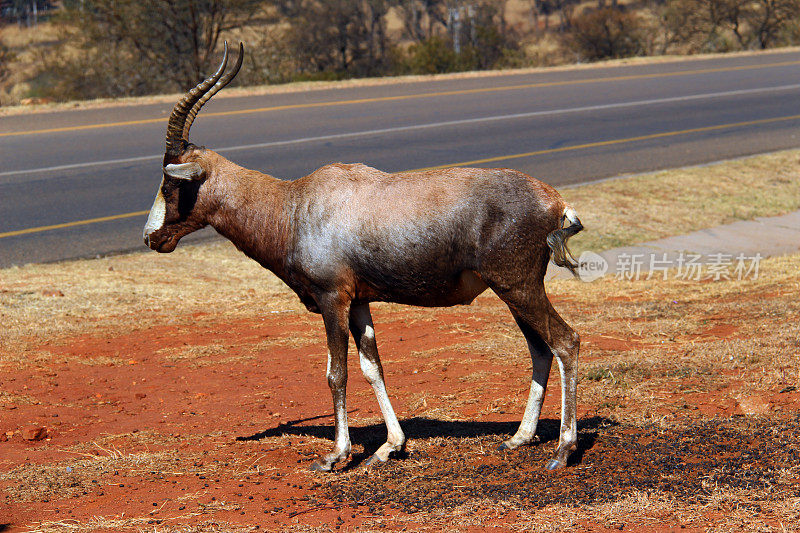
column 292, row 340
column 26, row 44
column 673, row 202
column 207, row 355
column 100, row 523
column 82, row 476
column 16, row 399
column 133, row 292
column 666, row 325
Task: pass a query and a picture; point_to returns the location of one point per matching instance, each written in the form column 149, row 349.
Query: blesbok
column 348, row 235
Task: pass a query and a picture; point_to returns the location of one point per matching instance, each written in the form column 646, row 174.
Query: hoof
column 503, row 447
column 554, row 464
column 316, row 466
column 374, row 461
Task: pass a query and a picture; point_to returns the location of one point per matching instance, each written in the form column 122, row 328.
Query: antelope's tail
column 557, row 241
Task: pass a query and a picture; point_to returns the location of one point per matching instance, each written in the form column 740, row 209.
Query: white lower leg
column 341, row 446
column 337, row 377
column 569, row 431
column 533, row 409
column 527, row 428
column 395, row 437
column 568, row 436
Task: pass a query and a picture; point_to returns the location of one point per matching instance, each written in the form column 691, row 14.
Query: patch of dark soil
column 612, row 460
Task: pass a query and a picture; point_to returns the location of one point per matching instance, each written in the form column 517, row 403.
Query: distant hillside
column 85, row 49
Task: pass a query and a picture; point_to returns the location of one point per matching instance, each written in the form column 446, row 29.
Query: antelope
column 347, row 235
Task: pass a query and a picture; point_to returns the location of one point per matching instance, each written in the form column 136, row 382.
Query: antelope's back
column 412, row 236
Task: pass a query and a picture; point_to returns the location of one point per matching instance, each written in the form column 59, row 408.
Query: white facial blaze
column 157, row 213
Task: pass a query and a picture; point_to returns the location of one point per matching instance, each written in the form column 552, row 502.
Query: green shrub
column 433, row 56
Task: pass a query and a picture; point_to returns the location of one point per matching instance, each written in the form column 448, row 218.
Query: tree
column 725, row 14
column 132, row 47
column 422, row 18
column 541, row 8
column 28, row 11
column 768, row 18
column 720, row 25
column 434, row 55
column 339, row 38
column 678, row 24
column 460, row 35
column 6, row 58
column 607, row 33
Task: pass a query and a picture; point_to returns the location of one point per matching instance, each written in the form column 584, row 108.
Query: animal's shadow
column 372, row 436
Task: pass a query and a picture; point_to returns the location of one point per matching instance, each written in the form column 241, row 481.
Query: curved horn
column 175, row 131
column 225, row 80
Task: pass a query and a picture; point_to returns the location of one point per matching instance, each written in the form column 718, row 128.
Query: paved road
column 562, row 126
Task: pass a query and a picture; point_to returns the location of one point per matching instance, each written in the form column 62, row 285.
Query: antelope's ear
column 185, row 171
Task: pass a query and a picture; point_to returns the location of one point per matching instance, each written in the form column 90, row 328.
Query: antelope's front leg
column 335, row 315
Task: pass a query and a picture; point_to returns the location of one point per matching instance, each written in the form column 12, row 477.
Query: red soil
column 238, row 475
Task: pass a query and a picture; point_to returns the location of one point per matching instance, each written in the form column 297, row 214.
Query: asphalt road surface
column 78, row 183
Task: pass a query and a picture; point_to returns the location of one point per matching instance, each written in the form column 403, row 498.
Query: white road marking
column 599, row 107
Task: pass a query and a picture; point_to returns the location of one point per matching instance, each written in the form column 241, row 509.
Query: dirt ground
column 192, row 418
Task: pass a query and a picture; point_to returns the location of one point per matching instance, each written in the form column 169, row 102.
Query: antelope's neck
column 252, row 212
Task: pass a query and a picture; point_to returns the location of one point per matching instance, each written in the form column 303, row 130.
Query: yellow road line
column 71, row 224
column 410, row 97
column 613, row 142
column 465, row 163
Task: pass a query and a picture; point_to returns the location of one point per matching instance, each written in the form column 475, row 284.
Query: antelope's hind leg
column 541, row 360
column 364, row 335
column 548, row 336
column 334, row 314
